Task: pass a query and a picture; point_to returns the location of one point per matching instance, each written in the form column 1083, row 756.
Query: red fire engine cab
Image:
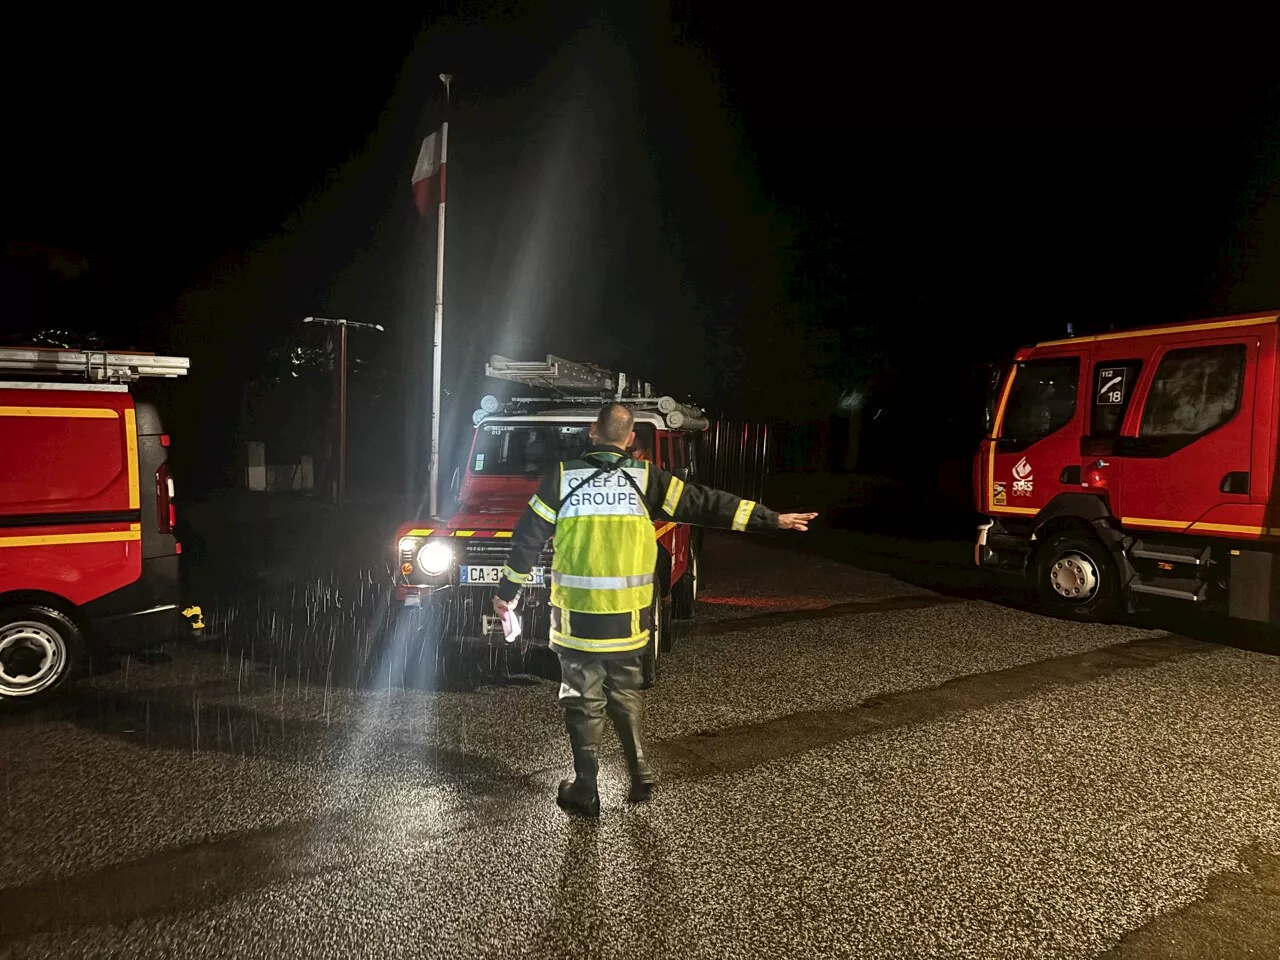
column 456, row 564
column 88, row 556
column 1136, row 467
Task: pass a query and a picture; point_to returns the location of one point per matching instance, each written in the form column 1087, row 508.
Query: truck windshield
column 1042, row 399
column 533, row 449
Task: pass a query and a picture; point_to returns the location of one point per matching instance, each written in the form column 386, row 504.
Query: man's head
column 614, row 426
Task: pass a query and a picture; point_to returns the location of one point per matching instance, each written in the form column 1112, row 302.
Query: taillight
column 166, row 513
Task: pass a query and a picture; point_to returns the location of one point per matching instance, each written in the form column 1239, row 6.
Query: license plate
column 492, row 576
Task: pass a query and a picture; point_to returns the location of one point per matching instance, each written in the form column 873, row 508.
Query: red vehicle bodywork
column 489, row 508
column 1213, row 489
column 85, row 509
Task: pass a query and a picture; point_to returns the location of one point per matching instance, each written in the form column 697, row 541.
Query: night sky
column 759, row 211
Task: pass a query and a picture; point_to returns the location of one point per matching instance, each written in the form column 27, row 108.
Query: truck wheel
column 1076, row 578
column 657, row 640
column 684, row 597
column 41, row 649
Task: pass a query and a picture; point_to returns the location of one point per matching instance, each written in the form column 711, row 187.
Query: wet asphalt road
column 851, row 765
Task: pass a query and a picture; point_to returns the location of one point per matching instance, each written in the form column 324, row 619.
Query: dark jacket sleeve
column 536, row 526
column 672, row 498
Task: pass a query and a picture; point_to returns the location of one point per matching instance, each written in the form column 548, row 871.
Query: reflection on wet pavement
column 849, row 765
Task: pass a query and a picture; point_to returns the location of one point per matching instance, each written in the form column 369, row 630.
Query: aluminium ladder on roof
column 561, row 375
column 555, row 373
column 96, row 366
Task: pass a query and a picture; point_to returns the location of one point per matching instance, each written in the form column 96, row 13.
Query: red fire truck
column 1137, row 467
column 456, row 564
column 88, row 556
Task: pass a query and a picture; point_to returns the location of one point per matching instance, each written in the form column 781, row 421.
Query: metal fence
column 734, row 456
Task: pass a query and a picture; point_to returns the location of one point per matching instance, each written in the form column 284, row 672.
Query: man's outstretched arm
column 683, row 502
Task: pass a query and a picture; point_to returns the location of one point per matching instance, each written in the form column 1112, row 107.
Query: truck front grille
column 491, row 552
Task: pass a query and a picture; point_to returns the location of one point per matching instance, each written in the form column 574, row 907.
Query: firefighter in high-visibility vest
column 600, row 509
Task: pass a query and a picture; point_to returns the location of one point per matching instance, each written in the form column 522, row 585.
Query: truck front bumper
column 998, row 549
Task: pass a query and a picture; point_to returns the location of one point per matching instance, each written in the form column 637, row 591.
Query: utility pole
column 342, row 393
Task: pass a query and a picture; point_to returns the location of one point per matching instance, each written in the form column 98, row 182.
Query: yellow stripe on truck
column 115, row 536
column 82, row 413
column 1160, row 331
column 995, row 434
column 131, row 457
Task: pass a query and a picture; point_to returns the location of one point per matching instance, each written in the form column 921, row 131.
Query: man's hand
column 795, row 521
column 500, row 606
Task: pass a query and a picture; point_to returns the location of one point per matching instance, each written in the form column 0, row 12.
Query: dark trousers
column 590, row 688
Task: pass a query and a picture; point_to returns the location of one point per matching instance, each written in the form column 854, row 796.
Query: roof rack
column 593, row 384
column 95, row 366
column 556, row 373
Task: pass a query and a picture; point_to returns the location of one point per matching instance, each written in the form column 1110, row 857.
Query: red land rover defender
column 459, row 560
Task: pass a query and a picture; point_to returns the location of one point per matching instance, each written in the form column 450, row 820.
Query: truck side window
column 1041, row 401
column 1194, row 390
column 1113, row 383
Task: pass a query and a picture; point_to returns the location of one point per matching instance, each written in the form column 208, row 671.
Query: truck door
column 1035, row 451
column 1114, row 384
column 1189, row 448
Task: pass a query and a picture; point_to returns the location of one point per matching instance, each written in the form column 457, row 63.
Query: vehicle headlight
column 435, row 558
column 408, row 545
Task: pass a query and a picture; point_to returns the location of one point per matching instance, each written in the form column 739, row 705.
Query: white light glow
column 435, row 558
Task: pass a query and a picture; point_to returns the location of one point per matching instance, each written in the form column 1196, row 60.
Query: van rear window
column 1042, row 399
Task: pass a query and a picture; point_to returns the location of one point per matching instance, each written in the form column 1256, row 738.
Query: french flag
column 429, row 172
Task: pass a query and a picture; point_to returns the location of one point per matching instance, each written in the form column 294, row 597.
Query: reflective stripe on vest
column 600, row 633
column 621, row 645
column 675, row 490
column 601, row 583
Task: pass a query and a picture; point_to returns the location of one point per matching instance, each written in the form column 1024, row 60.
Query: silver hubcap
column 1074, row 577
column 32, row 658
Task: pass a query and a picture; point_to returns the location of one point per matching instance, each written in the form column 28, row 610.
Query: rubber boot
column 579, row 795
column 625, row 723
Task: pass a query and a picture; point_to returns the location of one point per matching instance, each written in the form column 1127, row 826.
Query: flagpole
column 446, row 79
column 439, row 332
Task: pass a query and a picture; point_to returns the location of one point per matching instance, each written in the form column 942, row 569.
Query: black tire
column 1076, row 578
column 658, row 643
column 684, row 597
column 41, row 651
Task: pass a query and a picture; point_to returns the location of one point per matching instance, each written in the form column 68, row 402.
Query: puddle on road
column 847, row 609
column 1238, row 916
column 732, row 749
